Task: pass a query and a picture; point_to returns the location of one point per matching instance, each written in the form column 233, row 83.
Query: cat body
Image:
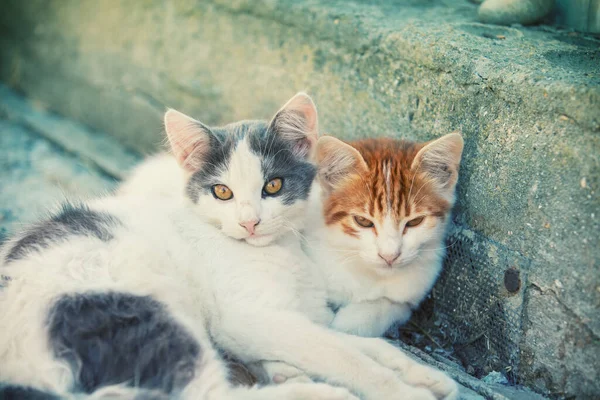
column 41, row 346
column 133, row 292
column 377, row 226
column 368, row 295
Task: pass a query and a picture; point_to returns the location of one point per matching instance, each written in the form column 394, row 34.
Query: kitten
column 378, row 225
column 130, row 292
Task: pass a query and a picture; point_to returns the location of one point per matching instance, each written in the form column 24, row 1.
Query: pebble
column 558, row 284
column 508, row 12
column 495, row 377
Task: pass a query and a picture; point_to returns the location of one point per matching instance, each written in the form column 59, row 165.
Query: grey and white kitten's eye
column 222, row 192
column 273, row 186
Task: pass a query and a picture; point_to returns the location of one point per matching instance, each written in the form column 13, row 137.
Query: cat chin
column 260, row 241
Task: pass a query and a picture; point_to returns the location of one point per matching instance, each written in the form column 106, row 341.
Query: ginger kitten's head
column 388, row 200
column 251, row 178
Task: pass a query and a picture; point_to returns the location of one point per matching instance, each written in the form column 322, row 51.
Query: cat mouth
column 395, row 265
column 259, row 240
column 256, row 235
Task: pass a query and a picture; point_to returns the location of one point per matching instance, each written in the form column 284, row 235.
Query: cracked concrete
column 527, row 101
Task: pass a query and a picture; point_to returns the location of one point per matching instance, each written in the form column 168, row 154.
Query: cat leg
column 370, row 318
column 292, row 338
column 289, row 391
column 26, row 357
column 210, row 383
column 411, row 371
column 277, row 372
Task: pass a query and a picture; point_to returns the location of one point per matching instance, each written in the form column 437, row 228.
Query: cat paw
column 279, row 372
column 278, row 379
column 320, row 391
column 413, row 393
column 419, row 394
column 440, row 384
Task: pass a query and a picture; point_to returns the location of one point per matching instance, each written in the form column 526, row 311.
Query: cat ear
column 440, row 161
column 297, row 122
column 189, row 139
column 336, row 162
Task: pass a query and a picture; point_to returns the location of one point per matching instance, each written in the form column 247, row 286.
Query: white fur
column 371, row 294
column 260, row 303
column 157, row 176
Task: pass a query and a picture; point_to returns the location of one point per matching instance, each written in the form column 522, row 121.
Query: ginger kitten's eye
column 273, row 186
column 362, row 221
column 222, row 192
column 415, row 222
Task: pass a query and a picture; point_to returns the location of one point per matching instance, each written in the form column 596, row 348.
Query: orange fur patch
column 389, row 187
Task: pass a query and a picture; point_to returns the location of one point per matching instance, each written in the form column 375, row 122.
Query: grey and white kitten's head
column 251, row 178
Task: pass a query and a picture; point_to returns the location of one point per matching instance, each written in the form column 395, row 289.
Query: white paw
column 280, row 379
column 280, row 372
column 432, row 379
column 320, row 391
column 418, row 394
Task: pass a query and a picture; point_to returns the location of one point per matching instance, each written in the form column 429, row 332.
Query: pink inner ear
column 310, row 115
column 303, row 147
column 188, row 139
column 303, row 107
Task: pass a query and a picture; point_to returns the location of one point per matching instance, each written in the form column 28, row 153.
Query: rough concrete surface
column 36, row 175
column 527, row 101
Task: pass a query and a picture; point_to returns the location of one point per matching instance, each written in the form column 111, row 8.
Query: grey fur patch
column 222, row 143
column 115, row 338
column 71, row 220
column 17, row 392
column 278, row 160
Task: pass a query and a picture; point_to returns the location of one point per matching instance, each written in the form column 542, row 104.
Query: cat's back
column 107, row 236
column 157, row 176
column 72, row 222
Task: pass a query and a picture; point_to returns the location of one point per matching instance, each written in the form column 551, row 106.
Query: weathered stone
column 551, row 339
column 36, row 175
column 527, row 101
column 104, row 152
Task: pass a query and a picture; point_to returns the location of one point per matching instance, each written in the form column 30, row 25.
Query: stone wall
column 526, row 100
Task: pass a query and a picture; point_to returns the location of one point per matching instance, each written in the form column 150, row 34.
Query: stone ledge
column 104, row 152
column 444, row 36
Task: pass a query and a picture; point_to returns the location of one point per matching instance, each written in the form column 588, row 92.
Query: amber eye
column 362, row 221
column 415, row 222
column 273, row 186
column 222, row 192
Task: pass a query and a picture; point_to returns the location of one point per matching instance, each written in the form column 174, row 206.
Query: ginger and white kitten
column 378, row 225
column 130, row 292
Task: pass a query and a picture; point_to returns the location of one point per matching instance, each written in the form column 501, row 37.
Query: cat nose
column 250, row 225
column 389, row 258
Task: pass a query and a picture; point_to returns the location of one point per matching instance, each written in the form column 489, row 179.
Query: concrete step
column 45, row 159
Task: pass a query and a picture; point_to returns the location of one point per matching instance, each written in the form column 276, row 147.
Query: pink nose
column 250, row 225
column 389, row 258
